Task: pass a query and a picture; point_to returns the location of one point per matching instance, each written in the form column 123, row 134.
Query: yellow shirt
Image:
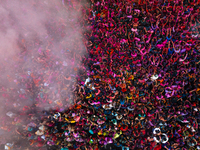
column 89, row 96
column 117, row 135
column 131, row 97
column 100, row 132
column 70, row 120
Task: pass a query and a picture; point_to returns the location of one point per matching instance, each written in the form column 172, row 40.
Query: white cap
column 154, row 77
column 156, row 129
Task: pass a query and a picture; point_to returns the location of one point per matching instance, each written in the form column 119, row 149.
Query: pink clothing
column 162, row 45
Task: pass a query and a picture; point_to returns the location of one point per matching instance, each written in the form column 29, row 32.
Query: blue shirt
column 30, row 129
column 122, row 102
column 170, row 52
column 91, row 132
column 168, row 39
column 118, row 145
column 65, row 148
column 107, row 112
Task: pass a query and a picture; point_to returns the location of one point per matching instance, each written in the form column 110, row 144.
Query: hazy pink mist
column 39, row 39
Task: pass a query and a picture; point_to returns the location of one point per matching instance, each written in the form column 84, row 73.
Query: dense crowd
column 140, row 88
